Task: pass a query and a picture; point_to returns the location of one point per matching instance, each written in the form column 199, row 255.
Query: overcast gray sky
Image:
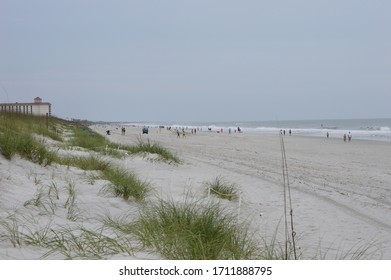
column 200, row 60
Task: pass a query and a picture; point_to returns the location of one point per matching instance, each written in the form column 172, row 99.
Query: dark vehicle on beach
column 145, row 130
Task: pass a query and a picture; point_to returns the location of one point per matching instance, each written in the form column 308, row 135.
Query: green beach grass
column 194, row 231
column 222, row 189
column 17, row 137
column 125, row 184
column 98, row 143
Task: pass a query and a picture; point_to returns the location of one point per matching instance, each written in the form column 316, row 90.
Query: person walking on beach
column 344, row 137
column 327, row 134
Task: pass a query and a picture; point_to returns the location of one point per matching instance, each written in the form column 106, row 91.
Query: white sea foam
column 368, row 129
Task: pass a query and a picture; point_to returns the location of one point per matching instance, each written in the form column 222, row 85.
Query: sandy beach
column 341, row 192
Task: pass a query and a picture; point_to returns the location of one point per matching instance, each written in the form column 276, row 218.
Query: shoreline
column 381, row 134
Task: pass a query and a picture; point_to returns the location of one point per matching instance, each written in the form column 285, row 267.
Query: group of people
column 348, row 137
column 179, row 134
column 229, row 130
column 123, row 130
column 283, row 132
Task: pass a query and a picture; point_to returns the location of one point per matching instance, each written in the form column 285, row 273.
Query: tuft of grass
column 43, row 201
column 10, row 230
column 125, row 184
column 76, row 243
column 222, row 189
column 37, row 238
column 12, row 142
column 194, row 231
column 53, row 191
column 121, row 224
column 83, row 243
column 85, row 163
column 143, row 146
column 81, row 138
column 8, row 145
column 73, row 211
column 37, row 181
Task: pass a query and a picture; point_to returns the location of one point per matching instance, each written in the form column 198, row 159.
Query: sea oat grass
column 192, row 230
column 47, row 127
column 8, row 146
column 10, row 230
column 77, row 243
column 222, row 189
column 125, row 184
column 85, row 163
column 81, row 138
column 121, row 224
column 24, row 144
column 147, row 146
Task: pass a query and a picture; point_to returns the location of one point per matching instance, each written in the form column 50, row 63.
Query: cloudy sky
column 204, row 60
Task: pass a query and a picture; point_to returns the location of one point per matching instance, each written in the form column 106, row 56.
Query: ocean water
column 364, row 129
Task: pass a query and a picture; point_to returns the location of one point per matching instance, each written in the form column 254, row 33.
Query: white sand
column 340, row 191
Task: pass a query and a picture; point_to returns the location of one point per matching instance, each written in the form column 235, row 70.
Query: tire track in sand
column 252, row 171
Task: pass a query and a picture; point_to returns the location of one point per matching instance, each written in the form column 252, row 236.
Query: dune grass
column 17, row 136
column 84, row 243
column 222, row 189
column 147, row 146
column 81, row 138
column 41, row 201
column 32, row 124
column 98, row 143
column 92, row 162
column 13, row 142
column 122, row 224
column 67, row 242
column 193, row 231
column 10, row 230
column 125, row 184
